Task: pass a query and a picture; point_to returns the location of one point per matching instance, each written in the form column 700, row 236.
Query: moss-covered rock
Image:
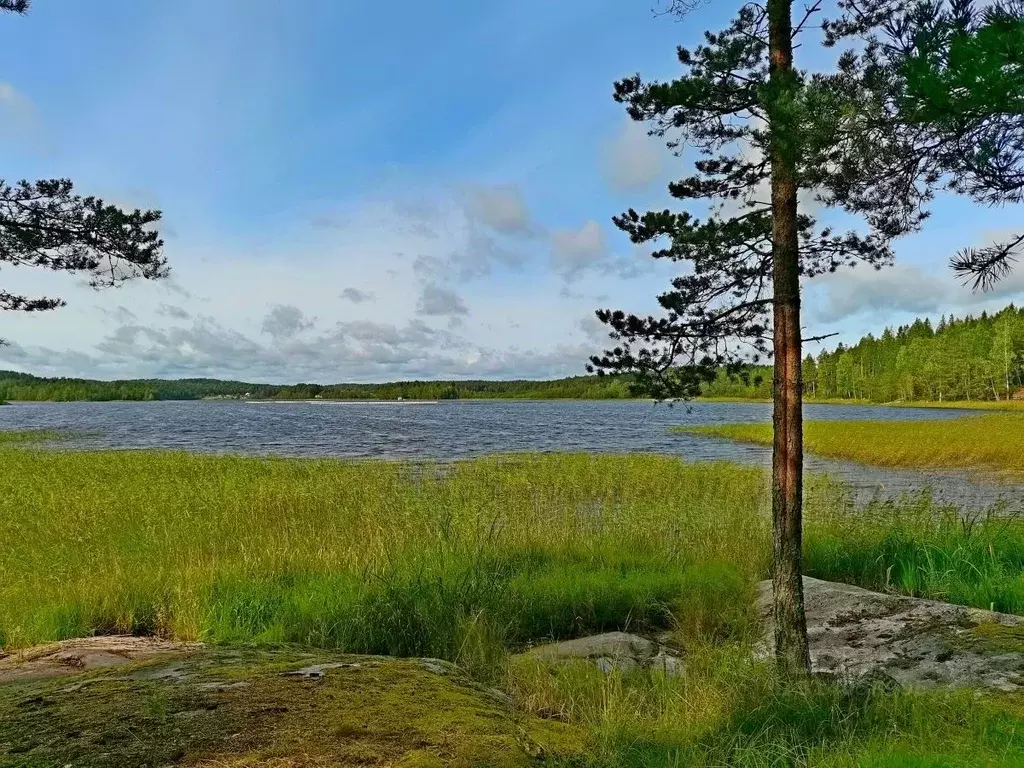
column 279, row 708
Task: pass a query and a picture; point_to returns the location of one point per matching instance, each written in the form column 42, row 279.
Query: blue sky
column 370, row 191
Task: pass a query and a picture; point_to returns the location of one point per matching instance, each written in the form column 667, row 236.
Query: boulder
column 854, row 632
column 620, row 651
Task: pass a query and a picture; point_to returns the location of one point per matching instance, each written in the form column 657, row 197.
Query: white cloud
column 575, row 252
column 172, row 311
column 244, row 309
column 896, row 289
column 285, row 321
column 904, row 289
column 355, row 295
column 501, row 208
column 350, row 351
column 437, row 301
column 593, row 329
column 633, row 160
column 120, row 314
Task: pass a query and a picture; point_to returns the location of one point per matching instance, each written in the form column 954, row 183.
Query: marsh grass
column 965, row 405
column 365, row 556
column 989, row 442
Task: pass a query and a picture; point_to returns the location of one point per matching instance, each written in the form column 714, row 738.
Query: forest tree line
column 956, row 359
column 25, row 387
column 969, row 358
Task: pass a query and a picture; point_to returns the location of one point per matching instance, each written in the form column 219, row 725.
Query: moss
column 229, row 708
column 993, row 637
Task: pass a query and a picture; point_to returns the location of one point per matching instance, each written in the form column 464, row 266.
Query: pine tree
column 761, row 127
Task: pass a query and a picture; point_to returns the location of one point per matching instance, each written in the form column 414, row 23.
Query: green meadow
column 990, row 442
column 475, row 560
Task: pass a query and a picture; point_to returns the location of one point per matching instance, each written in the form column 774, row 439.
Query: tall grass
column 364, row 556
column 992, row 442
column 915, row 549
column 729, row 710
column 458, row 561
column 32, row 436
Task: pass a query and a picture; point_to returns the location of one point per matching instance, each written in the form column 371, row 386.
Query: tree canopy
column 945, row 93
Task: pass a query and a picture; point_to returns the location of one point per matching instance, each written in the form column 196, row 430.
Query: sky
column 358, row 191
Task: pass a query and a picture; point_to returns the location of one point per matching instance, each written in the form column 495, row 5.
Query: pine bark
column 787, row 452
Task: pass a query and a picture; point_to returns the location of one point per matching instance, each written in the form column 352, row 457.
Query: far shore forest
column 956, row 360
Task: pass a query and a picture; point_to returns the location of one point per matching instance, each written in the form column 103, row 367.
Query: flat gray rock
column 84, row 654
column 611, row 651
column 854, row 632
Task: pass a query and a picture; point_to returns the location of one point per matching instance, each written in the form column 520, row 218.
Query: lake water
column 465, row 428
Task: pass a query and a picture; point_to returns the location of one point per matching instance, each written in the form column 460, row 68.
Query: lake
column 464, row 428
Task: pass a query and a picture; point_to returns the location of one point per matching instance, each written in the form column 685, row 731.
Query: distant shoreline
column 970, row 405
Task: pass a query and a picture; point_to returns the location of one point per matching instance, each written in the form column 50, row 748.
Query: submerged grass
column 32, row 436
column 471, row 560
column 991, row 442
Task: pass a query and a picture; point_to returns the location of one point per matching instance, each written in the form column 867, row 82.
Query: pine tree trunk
column 787, row 454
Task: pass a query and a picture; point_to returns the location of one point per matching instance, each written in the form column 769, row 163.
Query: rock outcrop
column 130, row 702
column 855, row 632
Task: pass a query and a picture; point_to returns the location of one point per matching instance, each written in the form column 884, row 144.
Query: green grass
column 976, row 405
column 458, row 561
column 990, row 442
column 470, row 561
column 731, row 711
column 363, row 556
column 915, row 549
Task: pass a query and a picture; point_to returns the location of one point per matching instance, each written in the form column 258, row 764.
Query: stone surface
column 83, row 654
column 611, row 651
column 161, row 704
column 855, row 632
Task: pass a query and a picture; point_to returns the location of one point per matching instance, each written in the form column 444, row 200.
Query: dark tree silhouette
column 763, row 131
column 947, row 86
column 45, row 224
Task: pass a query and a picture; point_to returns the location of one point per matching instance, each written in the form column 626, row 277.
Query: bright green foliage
column 977, row 562
column 730, row 711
